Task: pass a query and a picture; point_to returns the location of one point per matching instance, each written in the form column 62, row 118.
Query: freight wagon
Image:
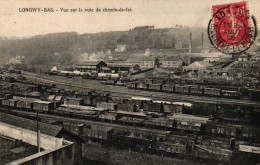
column 9, row 103
column 107, row 106
column 168, row 88
column 212, row 92
column 100, row 132
column 107, row 116
column 196, row 90
column 190, row 122
column 131, row 85
column 25, row 104
column 140, row 101
column 43, row 106
column 142, row 85
column 73, row 101
column 182, row 89
column 155, row 87
column 230, row 94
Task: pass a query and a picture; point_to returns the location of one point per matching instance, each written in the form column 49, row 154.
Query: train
column 110, row 112
column 186, row 89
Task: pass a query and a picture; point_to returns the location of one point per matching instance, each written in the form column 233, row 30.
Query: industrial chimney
column 202, row 40
column 190, row 42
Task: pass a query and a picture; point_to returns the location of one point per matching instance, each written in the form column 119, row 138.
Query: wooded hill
column 64, row 47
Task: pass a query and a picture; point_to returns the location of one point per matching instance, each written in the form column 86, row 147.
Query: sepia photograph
column 126, row 82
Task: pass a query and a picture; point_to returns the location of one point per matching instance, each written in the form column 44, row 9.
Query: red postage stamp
column 231, row 28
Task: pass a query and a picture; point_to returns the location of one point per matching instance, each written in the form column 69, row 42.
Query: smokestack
column 202, row 40
column 190, row 42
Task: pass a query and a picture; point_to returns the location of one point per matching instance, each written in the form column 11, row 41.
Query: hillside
column 65, row 47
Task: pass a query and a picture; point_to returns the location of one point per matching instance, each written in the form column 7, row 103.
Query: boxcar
column 108, row 116
column 5, row 103
column 132, row 85
column 25, row 104
column 148, row 81
column 43, row 106
column 73, row 101
column 196, row 90
column 1, row 99
column 230, row 94
column 107, row 106
column 172, row 108
column 142, row 85
column 155, row 87
column 168, row 88
column 12, row 103
column 182, row 89
column 158, row 81
column 101, row 132
column 140, row 101
column 212, row 92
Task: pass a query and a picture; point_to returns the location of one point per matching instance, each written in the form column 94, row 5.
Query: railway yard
column 151, row 116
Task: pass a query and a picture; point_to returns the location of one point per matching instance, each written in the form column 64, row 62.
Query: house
column 171, row 62
column 198, row 65
column 149, row 62
column 210, row 57
column 120, row 48
column 123, row 67
column 147, row 52
column 243, row 58
column 90, row 66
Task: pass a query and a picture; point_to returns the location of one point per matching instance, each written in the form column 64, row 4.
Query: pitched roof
column 170, row 58
column 105, row 68
column 120, row 65
column 89, row 63
column 44, row 128
column 198, row 64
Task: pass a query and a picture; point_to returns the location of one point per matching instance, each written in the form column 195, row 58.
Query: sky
column 160, row 13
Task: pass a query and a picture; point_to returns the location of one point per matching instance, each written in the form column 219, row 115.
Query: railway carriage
column 168, row 88
column 155, row 87
column 182, row 89
column 196, row 90
column 230, row 94
column 142, row 85
column 107, row 106
column 131, row 85
column 43, row 106
column 212, row 92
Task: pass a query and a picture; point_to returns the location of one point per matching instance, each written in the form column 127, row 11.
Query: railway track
column 84, row 121
column 81, row 84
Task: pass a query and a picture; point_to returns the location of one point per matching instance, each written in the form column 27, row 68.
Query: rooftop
column 44, row 128
column 90, row 63
column 170, row 58
column 120, row 65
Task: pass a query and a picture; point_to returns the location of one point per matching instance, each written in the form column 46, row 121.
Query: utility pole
column 38, row 132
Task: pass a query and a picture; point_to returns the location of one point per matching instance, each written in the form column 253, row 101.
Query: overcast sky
column 160, row 13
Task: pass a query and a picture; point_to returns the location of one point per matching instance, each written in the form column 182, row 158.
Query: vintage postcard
column 125, row 82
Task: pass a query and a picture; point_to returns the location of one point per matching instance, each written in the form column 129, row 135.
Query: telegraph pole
column 38, row 132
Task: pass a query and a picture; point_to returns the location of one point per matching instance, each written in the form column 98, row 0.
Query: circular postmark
column 231, row 29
